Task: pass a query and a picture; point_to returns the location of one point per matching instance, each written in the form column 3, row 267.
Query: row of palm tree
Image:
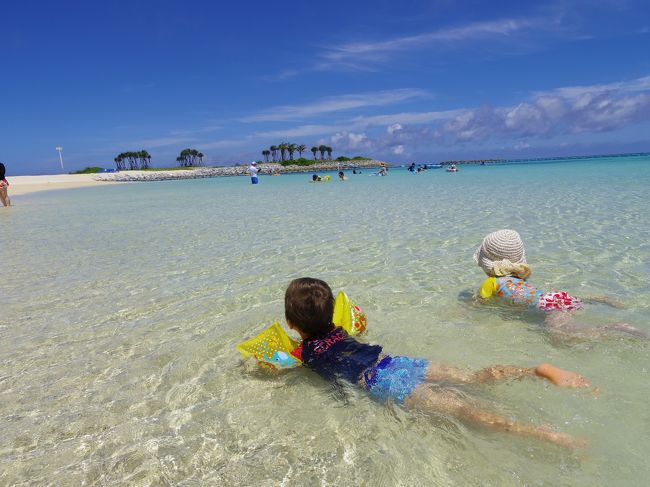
column 190, row 158
column 136, row 160
column 280, row 152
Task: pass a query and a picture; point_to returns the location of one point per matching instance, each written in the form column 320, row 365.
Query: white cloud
column 407, row 117
column 603, row 113
column 394, row 128
column 529, row 117
column 597, row 108
column 577, row 92
column 554, row 113
column 337, row 104
column 522, row 145
column 221, row 144
column 349, row 141
column 300, row 131
column 160, row 142
column 351, row 54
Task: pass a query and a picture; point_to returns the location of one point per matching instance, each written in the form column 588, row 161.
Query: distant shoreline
column 20, row 185
column 536, row 159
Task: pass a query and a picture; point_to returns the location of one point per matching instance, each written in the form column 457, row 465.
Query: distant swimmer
column 253, row 170
column 342, row 176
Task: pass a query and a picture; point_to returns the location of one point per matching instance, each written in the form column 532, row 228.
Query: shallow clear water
column 122, row 305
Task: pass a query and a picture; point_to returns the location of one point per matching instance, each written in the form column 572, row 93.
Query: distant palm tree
column 266, row 154
column 283, row 150
column 133, row 160
column 274, row 152
column 322, row 149
column 291, row 148
column 329, row 152
column 190, row 158
column 145, row 159
column 119, row 163
column 313, row 151
column 301, row 148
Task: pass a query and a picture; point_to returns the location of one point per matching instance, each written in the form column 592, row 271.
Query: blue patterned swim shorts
column 395, row 377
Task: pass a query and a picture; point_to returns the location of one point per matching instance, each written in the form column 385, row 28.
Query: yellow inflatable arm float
column 273, row 346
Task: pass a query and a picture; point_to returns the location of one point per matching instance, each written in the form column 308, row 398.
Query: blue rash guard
column 337, row 355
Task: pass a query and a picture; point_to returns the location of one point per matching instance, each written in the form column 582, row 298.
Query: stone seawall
column 213, row 172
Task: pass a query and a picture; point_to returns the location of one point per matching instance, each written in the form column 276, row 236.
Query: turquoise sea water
column 122, row 305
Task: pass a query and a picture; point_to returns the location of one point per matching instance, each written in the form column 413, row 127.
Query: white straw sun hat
column 500, row 246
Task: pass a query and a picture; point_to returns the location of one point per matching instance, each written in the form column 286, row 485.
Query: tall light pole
column 59, row 150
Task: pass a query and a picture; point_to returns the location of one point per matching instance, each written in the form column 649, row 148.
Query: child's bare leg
column 4, row 196
column 429, row 401
column 559, row 377
column 624, row 328
column 604, row 300
column 446, row 373
column 562, row 325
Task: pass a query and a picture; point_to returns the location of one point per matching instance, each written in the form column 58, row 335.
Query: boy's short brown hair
column 309, row 304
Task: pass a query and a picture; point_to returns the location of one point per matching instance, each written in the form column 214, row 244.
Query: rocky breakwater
column 219, row 171
column 195, row 173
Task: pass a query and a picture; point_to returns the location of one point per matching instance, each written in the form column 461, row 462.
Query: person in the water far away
column 334, row 355
column 253, row 170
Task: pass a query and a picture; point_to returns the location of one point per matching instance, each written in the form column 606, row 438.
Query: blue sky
column 399, row 81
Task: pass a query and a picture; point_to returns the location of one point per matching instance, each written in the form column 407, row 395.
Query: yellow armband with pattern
column 488, row 288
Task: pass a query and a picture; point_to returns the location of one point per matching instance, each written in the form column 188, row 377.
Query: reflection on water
column 121, row 307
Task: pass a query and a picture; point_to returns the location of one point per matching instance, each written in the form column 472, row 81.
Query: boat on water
column 452, row 168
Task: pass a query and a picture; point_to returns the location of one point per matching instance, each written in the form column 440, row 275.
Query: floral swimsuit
column 518, row 291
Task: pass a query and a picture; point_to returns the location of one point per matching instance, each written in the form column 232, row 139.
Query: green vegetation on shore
column 284, row 152
column 190, row 158
column 136, row 159
column 301, row 161
column 89, row 170
column 356, row 158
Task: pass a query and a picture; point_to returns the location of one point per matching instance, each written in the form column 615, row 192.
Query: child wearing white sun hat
column 502, row 257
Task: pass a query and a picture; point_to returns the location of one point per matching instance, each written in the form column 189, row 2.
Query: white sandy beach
column 19, row 185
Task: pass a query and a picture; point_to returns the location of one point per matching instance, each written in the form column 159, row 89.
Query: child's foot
column 561, row 378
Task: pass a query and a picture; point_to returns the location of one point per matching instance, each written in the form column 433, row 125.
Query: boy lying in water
column 331, row 353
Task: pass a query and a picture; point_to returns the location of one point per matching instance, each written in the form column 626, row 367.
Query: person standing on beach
column 253, row 170
column 4, row 196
